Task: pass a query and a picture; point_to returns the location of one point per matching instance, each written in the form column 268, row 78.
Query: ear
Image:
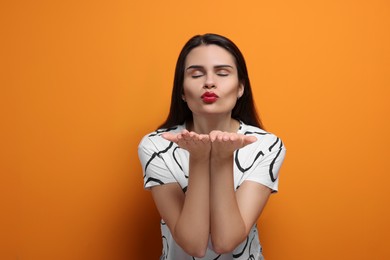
column 183, row 97
column 240, row 90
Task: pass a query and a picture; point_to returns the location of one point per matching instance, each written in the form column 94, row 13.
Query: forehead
column 209, row 55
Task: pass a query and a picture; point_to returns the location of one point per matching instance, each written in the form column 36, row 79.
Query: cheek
column 234, row 90
column 189, row 91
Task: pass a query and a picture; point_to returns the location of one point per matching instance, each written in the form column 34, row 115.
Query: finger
column 194, row 135
column 234, row 137
column 219, row 137
column 214, row 134
column 226, row 137
column 187, row 135
column 184, row 132
column 204, row 138
column 170, row 137
column 179, row 137
column 222, row 136
column 249, row 139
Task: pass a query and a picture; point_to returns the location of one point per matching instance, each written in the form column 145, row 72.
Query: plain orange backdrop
column 83, row 81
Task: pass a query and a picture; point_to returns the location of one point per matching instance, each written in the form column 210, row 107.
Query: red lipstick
column 209, row 97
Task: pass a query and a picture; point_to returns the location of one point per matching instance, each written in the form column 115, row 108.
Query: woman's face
column 211, row 84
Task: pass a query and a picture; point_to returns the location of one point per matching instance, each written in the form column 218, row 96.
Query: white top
column 164, row 162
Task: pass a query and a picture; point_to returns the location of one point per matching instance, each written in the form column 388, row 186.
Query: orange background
column 83, row 81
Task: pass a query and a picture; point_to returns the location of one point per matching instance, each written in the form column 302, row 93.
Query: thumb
column 170, row 137
column 248, row 139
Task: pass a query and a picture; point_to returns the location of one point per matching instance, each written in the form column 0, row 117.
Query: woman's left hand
column 223, row 144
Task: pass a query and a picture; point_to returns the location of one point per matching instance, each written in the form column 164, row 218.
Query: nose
column 209, row 83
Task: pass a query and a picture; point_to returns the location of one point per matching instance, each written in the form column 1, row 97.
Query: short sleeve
column 266, row 160
column 154, row 167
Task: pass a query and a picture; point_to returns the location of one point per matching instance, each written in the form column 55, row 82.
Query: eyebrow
column 202, row 67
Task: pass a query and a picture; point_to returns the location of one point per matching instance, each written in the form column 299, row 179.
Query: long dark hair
column 244, row 109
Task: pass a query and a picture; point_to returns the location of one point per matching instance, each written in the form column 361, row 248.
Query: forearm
column 193, row 226
column 227, row 226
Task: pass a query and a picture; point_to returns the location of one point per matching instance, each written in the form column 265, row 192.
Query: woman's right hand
column 198, row 145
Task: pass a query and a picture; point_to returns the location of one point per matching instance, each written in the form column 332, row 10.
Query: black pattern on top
column 259, row 133
column 257, row 156
column 271, row 167
column 272, row 146
column 177, row 162
column 157, row 154
column 154, row 155
column 251, row 255
column 153, row 179
column 165, row 248
column 238, row 162
column 243, row 250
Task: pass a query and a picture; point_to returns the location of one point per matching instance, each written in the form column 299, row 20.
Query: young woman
column 210, row 166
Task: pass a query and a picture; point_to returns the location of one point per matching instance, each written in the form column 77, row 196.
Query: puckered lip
column 209, row 95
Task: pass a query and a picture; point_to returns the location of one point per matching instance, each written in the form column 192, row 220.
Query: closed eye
column 196, row 73
column 223, row 73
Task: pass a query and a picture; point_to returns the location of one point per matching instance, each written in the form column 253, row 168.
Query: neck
column 202, row 125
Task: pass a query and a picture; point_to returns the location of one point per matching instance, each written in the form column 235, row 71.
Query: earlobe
column 183, row 98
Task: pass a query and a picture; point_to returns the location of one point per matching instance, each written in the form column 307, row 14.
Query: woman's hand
column 198, row 145
column 224, row 144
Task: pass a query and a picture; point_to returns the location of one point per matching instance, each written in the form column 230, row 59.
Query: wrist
column 221, row 158
column 200, row 158
column 221, row 161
